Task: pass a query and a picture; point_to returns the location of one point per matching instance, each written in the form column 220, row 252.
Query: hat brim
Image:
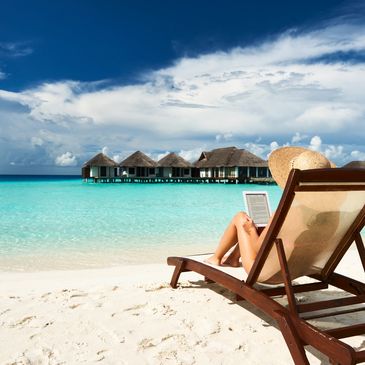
column 280, row 163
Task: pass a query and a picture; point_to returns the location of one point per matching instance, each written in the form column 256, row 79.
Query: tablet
column 257, row 206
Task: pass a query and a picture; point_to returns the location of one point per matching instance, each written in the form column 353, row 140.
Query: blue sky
column 79, row 77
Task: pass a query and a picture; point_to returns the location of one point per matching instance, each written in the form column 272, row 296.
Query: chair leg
column 175, row 276
column 207, row 280
column 292, row 338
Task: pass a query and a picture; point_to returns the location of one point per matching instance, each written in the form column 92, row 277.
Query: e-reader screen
column 257, row 205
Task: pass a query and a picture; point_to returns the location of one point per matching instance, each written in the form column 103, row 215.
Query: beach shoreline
column 129, row 315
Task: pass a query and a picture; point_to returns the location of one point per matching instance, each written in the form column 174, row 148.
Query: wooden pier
column 174, row 180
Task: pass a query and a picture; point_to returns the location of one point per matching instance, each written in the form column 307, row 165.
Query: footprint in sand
column 45, row 296
column 145, row 344
column 241, row 347
column 78, row 295
column 23, row 322
column 165, row 310
column 47, row 324
column 176, row 357
column 157, row 287
column 34, row 336
column 38, row 356
column 74, row 306
column 177, row 338
column 5, row 311
column 135, row 307
column 188, row 324
column 100, row 355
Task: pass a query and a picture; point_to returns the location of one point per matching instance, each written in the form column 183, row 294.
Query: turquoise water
column 59, row 222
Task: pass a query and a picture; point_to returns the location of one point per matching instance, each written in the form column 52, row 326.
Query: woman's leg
column 228, row 240
column 233, row 259
column 248, row 242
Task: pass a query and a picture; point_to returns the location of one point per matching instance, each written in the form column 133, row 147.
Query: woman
column 241, row 231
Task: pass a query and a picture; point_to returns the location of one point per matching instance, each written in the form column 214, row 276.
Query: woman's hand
column 249, row 225
column 242, row 220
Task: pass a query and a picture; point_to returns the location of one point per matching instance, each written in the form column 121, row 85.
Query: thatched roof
column 229, row 157
column 173, row 160
column 138, row 159
column 355, row 165
column 100, row 160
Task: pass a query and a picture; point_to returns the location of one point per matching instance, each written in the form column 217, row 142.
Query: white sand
column 130, row 315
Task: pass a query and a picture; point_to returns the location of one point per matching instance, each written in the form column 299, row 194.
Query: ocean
column 61, row 222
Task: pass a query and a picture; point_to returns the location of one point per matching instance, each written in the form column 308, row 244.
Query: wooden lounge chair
column 321, row 213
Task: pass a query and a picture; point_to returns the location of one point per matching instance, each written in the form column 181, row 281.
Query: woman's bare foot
column 213, row 260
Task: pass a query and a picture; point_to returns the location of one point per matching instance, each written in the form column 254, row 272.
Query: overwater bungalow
column 222, row 165
column 100, row 166
column 138, row 164
column 173, row 165
column 231, row 163
column 355, row 165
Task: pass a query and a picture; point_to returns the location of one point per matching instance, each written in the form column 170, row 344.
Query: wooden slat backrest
column 320, row 213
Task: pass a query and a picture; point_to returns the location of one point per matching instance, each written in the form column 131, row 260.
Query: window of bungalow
column 242, row 171
column 231, row 172
column 186, row 171
column 131, row 170
column 103, row 171
column 262, row 171
column 252, row 171
column 151, row 171
column 221, row 172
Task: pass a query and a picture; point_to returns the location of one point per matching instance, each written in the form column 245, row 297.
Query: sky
column 81, row 77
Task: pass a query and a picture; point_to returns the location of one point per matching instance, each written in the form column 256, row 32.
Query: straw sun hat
column 283, row 160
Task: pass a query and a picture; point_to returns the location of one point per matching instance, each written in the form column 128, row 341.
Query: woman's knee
column 239, row 217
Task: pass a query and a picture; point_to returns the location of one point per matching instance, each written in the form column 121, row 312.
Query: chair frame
column 296, row 331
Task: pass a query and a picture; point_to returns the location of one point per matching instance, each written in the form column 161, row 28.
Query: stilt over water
column 189, row 180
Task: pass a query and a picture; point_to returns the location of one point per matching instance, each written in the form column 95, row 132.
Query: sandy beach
column 130, row 315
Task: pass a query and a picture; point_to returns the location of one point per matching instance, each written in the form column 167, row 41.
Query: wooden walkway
column 174, row 180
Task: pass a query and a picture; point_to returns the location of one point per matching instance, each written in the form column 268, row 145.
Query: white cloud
column 105, row 150
column 274, row 145
column 330, row 117
column 357, row 155
column 118, row 158
column 298, row 138
column 191, row 155
column 36, row 141
column 260, row 150
column 315, row 143
column 274, row 91
column 334, row 152
column 66, row 159
column 237, row 86
column 225, row 137
column 15, row 49
column 161, row 155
